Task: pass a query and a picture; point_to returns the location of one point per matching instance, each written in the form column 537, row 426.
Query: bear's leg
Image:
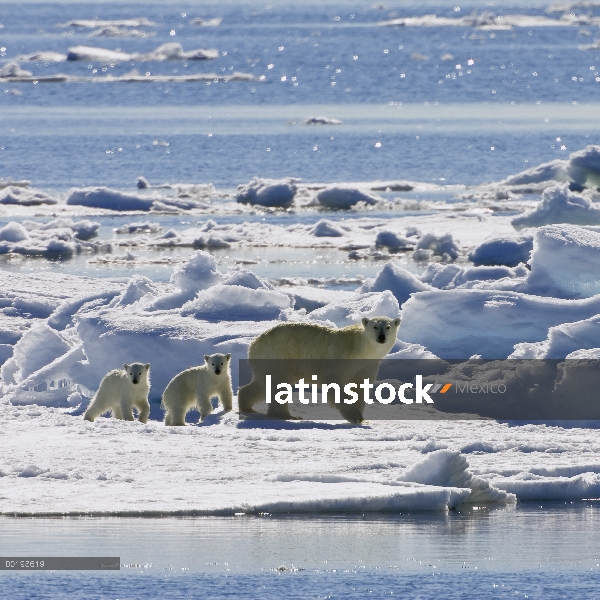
column 144, row 407
column 226, row 397
column 117, row 411
column 279, row 411
column 252, row 393
column 176, row 414
column 92, row 412
column 353, row 413
column 204, row 405
column 126, row 409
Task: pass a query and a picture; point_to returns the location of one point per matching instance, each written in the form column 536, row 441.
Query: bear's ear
column 228, row 356
column 365, row 321
column 126, row 366
column 147, row 365
column 396, row 322
column 206, row 357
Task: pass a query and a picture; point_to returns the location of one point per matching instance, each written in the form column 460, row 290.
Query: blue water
column 60, row 135
column 531, row 551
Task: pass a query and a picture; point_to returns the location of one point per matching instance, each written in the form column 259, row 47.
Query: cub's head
column 381, row 330
column 137, row 372
column 218, row 363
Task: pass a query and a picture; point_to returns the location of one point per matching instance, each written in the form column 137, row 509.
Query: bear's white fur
column 194, row 388
column 302, row 342
column 120, row 392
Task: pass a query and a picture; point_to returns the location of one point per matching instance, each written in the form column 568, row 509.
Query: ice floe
column 488, row 20
column 268, row 192
column 344, row 197
column 169, row 51
column 503, row 251
column 91, row 23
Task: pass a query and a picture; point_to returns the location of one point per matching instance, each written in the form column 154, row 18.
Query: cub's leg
column 226, row 397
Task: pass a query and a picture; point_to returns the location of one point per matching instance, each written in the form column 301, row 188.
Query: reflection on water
column 466, row 552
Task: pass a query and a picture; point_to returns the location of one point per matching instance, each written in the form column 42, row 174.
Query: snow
column 503, row 251
column 567, row 340
column 322, row 121
column 24, row 197
column 268, row 192
column 393, row 241
column 430, row 244
column 400, row 282
column 169, row 51
column 13, row 232
column 565, row 261
column 344, row 197
column 560, row 205
column 91, row 23
column 102, row 197
column 459, row 323
column 350, row 311
column 325, row 228
column 114, row 31
column 488, row 20
column 12, row 69
column 236, row 303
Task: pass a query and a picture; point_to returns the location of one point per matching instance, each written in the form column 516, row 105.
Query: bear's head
column 381, row 330
column 137, row 372
column 218, row 363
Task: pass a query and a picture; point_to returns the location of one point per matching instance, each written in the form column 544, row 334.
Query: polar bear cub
column 121, row 391
column 194, row 388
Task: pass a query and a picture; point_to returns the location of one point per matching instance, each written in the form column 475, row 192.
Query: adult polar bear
column 304, row 345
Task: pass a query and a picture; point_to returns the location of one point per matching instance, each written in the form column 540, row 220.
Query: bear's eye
column 388, row 327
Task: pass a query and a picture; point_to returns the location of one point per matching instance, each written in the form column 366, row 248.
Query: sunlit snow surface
column 322, row 166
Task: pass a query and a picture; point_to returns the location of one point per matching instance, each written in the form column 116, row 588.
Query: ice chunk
column 560, row 205
column 310, row 298
column 91, row 23
column 138, row 227
column 268, row 192
column 322, row 121
column 46, row 56
column 114, row 31
column 584, row 166
column 101, row 197
column 447, row 468
column 565, row 341
column 245, row 278
column 236, row 303
column 473, row 274
column 96, row 54
column 439, row 246
column 138, row 289
column 555, row 170
column 393, row 241
column 198, row 273
column 13, row 69
column 503, row 251
column 326, row 228
column 565, row 261
column 339, row 196
column 39, row 346
column 396, row 279
column 13, row 232
column 63, row 316
column 460, row 323
column 25, row 197
column 348, row 312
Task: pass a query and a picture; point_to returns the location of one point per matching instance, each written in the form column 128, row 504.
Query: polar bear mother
column 300, row 343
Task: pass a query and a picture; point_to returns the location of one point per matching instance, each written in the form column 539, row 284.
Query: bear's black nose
column 218, row 371
column 135, row 381
column 381, row 338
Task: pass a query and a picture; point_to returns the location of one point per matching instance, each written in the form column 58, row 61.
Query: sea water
column 545, row 550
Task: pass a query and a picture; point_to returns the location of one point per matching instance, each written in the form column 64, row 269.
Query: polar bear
column 305, row 347
column 194, row 388
column 121, row 391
